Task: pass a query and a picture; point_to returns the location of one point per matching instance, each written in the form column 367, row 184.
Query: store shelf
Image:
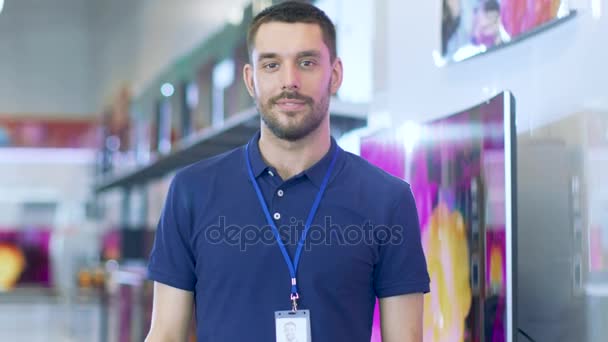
column 236, row 131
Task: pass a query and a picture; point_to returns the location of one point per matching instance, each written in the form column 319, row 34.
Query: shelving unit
column 236, row 131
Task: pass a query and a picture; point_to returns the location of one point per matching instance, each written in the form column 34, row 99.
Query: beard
column 295, row 129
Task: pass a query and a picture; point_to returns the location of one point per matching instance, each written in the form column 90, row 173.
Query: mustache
column 290, row 95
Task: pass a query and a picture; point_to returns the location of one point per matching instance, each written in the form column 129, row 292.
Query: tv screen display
column 472, row 27
column 24, row 258
column 460, row 171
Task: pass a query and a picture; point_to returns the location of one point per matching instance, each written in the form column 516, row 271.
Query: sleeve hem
column 402, row 289
column 171, row 281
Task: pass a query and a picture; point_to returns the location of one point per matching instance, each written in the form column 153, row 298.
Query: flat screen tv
column 473, row 27
column 25, row 258
column 460, row 168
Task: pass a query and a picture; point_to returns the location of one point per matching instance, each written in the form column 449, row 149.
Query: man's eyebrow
column 309, row 53
column 265, row 55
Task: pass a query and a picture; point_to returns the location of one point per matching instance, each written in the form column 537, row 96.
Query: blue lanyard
column 293, row 267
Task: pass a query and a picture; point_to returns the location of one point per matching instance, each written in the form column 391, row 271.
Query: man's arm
column 401, row 318
column 171, row 314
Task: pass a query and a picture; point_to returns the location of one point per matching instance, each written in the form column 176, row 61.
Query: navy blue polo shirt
column 213, row 239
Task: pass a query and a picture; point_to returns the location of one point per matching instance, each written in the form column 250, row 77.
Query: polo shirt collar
column 315, row 173
column 258, row 165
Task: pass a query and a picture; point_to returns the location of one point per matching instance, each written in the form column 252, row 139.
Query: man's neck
column 290, row 158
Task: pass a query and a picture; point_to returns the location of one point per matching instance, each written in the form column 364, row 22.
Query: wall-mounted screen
column 472, row 27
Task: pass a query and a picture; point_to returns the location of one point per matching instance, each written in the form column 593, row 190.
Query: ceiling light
column 167, row 89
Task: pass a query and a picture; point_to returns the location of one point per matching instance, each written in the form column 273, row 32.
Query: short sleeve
column 401, row 264
column 171, row 260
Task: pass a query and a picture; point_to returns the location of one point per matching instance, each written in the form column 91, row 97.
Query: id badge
column 292, row 326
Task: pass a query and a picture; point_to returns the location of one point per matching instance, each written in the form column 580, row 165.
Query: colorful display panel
column 471, row 27
column 24, row 258
column 459, row 168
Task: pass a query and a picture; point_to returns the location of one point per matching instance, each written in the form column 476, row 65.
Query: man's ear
column 248, row 79
column 336, row 76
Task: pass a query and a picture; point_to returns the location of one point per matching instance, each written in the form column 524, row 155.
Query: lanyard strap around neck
column 293, row 266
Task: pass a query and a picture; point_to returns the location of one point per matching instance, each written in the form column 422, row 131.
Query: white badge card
column 292, row 326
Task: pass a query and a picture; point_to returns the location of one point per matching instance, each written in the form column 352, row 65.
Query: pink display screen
column 471, row 27
column 457, row 168
column 25, row 259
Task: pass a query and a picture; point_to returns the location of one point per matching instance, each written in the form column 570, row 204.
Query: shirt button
column 271, row 173
column 280, row 193
column 277, row 216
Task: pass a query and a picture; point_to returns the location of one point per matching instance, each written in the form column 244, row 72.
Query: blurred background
column 102, row 101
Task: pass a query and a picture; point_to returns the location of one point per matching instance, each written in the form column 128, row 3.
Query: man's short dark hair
column 295, row 12
column 491, row 6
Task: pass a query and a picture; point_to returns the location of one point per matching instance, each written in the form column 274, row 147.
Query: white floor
column 46, row 322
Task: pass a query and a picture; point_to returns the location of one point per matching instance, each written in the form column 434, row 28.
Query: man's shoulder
column 221, row 164
column 370, row 175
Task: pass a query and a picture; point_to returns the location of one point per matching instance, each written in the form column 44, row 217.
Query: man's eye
column 307, row 64
column 271, row 66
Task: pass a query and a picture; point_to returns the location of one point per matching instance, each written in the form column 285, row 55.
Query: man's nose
column 291, row 78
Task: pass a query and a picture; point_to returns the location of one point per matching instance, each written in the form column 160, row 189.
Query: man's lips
column 289, row 101
column 291, row 104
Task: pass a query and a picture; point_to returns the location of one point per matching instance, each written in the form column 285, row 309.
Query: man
column 229, row 236
column 290, row 332
column 487, row 25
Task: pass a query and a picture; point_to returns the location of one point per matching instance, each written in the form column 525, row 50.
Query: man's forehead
column 289, row 39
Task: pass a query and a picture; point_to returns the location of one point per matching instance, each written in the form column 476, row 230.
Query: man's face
column 290, row 331
column 292, row 78
column 488, row 22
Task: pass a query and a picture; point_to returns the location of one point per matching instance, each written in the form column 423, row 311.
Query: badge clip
column 294, row 302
